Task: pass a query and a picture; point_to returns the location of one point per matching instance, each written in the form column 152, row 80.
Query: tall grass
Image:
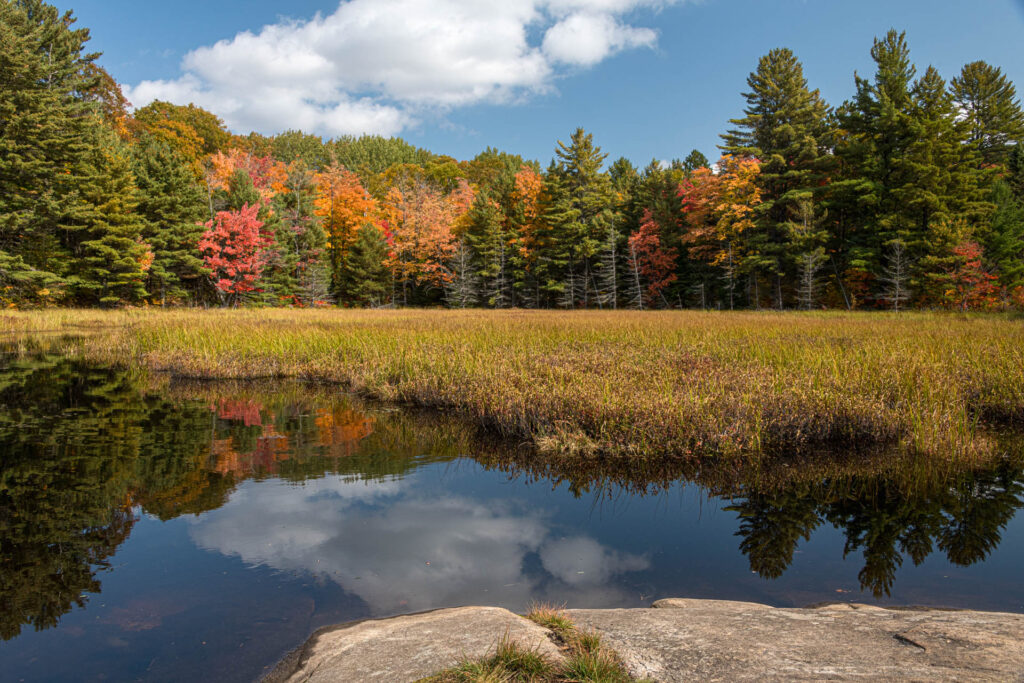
column 638, row 385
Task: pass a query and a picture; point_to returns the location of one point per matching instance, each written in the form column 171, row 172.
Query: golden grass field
column 635, row 384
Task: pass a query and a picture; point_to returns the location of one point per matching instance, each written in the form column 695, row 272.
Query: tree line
column 908, row 194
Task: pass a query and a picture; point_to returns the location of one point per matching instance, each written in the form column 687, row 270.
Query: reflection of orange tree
column 337, row 434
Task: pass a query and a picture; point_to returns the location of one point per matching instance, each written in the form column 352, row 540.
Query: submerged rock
column 682, row 640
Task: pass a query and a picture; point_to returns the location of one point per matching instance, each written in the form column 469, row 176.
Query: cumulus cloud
column 402, row 551
column 373, row 66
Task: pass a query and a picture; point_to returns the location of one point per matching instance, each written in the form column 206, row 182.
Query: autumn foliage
column 971, row 286
column 655, row 262
column 233, row 249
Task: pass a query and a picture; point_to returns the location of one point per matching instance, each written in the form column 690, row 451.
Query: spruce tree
column 1015, row 171
column 365, row 279
column 579, row 215
column 988, row 102
column 939, row 181
column 488, row 243
column 785, row 126
column 172, row 205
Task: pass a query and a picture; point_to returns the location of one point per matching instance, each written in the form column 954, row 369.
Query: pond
column 160, row 530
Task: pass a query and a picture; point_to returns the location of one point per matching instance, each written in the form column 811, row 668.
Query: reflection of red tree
column 339, row 430
column 246, row 411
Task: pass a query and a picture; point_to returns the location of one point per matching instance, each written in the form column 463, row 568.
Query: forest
column 910, row 194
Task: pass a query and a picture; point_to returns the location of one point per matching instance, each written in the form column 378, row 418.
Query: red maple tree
column 971, row 286
column 233, row 249
column 656, row 263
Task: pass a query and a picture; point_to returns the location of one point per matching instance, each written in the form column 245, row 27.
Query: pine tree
column 879, row 130
column 785, row 126
column 988, row 101
column 103, row 232
column 937, row 181
column 172, row 204
column 44, row 127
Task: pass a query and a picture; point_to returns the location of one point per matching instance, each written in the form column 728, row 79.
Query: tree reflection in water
column 85, row 450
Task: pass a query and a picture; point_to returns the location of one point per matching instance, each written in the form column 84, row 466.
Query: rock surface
column 685, row 640
column 409, row 648
column 712, row 640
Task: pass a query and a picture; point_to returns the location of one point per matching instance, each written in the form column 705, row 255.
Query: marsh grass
column 649, row 385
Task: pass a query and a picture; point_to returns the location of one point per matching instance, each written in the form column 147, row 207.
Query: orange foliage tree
column 527, row 197
column 421, row 225
column 268, row 175
column 344, row 206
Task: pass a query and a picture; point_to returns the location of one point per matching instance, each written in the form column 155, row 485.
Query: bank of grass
column 586, row 659
column 633, row 384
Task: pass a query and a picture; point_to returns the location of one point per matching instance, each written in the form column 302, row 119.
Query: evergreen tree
column 172, row 205
column 44, row 127
column 695, row 160
column 365, row 280
column 878, row 131
column 1015, row 171
column 988, row 102
column 298, row 267
column 103, row 232
column 785, row 126
column 488, row 243
column 939, row 179
column 579, row 215
column 1004, row 240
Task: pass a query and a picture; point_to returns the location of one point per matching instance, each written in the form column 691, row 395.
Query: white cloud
column 373, row 65
column 402, row 551
column 584, row 39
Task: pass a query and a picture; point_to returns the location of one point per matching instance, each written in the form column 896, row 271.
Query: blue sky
column 650, row 78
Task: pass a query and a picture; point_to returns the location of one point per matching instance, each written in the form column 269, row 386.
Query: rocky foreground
column 683, row 640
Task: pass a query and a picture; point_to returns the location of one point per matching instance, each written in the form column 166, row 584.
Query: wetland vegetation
column 646, row 386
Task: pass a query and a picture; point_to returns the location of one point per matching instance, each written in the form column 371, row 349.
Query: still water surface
column 165, row 531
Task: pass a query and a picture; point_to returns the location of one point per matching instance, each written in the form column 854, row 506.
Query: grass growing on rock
column 585, row 658
column 648, row 385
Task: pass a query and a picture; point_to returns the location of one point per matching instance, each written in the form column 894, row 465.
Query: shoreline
column 685, row 639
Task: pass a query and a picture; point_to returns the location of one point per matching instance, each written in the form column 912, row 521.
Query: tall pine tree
column 988, row 102
column 785, row 126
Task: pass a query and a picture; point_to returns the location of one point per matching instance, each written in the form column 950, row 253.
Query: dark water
column 200, row 532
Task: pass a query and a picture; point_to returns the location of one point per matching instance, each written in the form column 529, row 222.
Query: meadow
column 634, row 385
